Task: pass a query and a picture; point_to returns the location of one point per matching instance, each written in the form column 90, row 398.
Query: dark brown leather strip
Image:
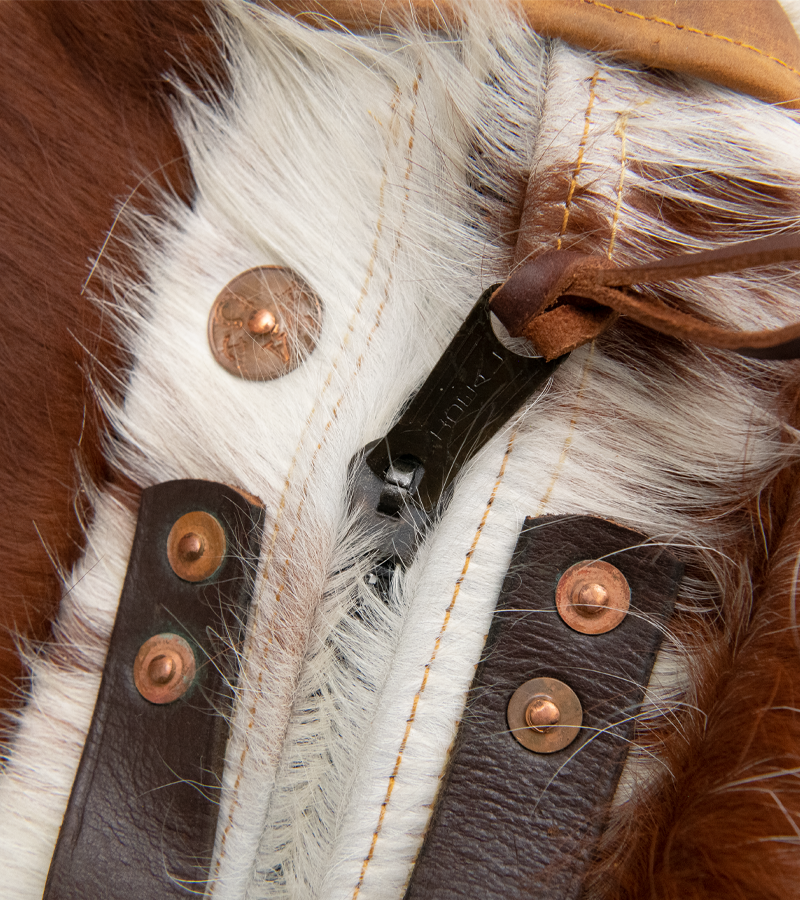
column 142, row 815
column 777, row 343
column 524, row 304
column 510, row 824
column 737, row 257
column 536, row 286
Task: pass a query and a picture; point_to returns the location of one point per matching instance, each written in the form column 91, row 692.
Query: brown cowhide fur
column 84, row 124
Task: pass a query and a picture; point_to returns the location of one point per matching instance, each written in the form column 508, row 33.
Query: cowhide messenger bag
column 400, row 438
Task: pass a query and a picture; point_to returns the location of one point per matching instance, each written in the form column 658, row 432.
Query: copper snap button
column 164, row 668
column 593, row 597
column 544, row 715
column 196, row 546
column 264, row 323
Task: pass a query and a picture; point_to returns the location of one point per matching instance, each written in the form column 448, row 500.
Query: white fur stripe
column 36, row 782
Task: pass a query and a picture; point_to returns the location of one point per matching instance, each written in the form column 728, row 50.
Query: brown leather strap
column 142, row 814
column 526, row 303
column 750, row 47
column 732, row 258
column 512, row 824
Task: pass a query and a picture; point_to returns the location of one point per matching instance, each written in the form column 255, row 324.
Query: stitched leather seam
column 619, row 132
column 587, row 365
column 570, row 434
column 281, row 508
column 587, row 122
column 421, row 690
column 689, row 28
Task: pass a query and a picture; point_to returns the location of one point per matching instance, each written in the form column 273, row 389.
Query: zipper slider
column 474, row 388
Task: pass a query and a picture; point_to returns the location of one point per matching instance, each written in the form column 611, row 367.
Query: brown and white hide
column 152, row 152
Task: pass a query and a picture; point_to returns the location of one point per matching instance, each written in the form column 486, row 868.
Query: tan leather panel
column 751, row 46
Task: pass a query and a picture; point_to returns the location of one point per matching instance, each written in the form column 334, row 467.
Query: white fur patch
column 36, row 782
column 368, row 166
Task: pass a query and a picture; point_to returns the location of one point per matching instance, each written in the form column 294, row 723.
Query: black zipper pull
column 476, row 386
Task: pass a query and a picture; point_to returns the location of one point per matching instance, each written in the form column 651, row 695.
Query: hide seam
column 587, row 124
column 577, row 410
column 620, row 132
column 448, row 613
column 364, row 288
column 274, row 537
column 587, row 365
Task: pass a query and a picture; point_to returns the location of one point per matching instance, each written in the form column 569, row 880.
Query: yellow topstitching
column 620, row 133
column 708, row 34
column 282, row 505
column 587, row 121
column 446, row 621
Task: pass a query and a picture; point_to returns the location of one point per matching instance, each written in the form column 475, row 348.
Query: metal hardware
column 401, row 478
column 196, row 546
column 264, row 323
column 593, row 597
column 544, row 715
column 476, row 386
column 142, row 817
column 390, row 512
column 164, row 668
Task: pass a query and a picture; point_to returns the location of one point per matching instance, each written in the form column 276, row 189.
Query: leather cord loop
column 545, row 299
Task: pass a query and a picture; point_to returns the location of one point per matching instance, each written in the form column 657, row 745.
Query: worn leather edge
column 758, row 54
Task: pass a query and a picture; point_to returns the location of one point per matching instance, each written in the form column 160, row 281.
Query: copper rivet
column 191, row 547
column 261, row 322
column 264, row 323
column 161, row 669
column 164, row 668
column 196, row 546
column 544, row 715
column 593, row 597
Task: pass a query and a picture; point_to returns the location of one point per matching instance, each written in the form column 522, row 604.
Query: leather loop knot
column 563, row 299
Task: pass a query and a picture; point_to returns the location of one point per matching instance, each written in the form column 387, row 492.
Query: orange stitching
column 568, row 440
column 412, row 717
column 587, row 121
column 281, row 507
column 287, row 561
column 619, row 132
column 708, row 34
column 576, row 410
column 379, row 314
